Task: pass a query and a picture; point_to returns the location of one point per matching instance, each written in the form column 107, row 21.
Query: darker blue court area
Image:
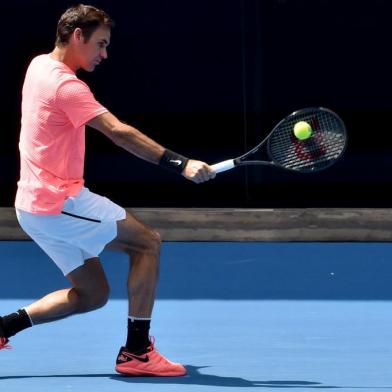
column 225, row 270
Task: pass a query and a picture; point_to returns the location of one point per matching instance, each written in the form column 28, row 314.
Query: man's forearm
column 137, row 143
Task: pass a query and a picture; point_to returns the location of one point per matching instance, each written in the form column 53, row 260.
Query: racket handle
column 223, row 166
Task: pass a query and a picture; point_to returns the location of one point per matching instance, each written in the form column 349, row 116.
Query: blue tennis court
column 238, row 315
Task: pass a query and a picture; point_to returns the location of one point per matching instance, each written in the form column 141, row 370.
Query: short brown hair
column 85, row 17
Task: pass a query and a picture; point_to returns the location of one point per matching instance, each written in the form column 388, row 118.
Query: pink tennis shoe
column 150, row 363
column 3, row 343
column 3, row 339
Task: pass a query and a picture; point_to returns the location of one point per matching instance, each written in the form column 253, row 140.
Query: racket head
column 325, row 146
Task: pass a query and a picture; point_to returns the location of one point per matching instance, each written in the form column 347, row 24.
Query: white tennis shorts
column 86, row 225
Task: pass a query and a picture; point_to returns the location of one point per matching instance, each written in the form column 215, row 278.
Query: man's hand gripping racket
column 307, row 140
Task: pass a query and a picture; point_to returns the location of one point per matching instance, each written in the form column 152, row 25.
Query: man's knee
column 90, row 285
column 153, row 242
column 93, row 299
column 149, row 242
column 156, row 240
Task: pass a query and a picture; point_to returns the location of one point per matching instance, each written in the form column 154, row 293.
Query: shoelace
column 160, row 356
column 4, row 345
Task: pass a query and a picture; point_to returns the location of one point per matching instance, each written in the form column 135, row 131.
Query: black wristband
column 173, row 161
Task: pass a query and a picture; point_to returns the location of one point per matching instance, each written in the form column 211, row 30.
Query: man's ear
column 78, row 34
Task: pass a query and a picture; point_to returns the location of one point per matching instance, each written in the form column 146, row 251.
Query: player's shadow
column 194, row 377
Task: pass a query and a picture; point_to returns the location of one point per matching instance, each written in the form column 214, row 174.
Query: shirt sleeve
column 78, row 103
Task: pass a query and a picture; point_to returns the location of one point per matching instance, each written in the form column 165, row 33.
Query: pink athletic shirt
column 56, row 105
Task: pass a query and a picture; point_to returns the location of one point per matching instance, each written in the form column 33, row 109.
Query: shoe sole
column 139, row 373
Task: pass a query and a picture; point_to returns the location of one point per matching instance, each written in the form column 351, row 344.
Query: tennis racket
column 281, row 148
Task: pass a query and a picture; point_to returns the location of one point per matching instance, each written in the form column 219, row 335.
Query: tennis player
column 68, row 221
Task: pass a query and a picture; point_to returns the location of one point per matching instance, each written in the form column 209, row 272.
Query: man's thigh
column 133, row 235
column 88, row 277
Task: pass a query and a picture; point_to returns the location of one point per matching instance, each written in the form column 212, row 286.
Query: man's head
column 83, row 32
column 85, row 17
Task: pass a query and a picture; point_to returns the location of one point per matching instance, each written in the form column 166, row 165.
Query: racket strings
column 324, row 146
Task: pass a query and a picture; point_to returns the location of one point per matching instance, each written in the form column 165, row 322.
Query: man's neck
column 61, row 54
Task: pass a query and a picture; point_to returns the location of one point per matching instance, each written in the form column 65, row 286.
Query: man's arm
column 142, row 146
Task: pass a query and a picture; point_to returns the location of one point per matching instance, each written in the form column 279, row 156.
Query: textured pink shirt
column 56, row 105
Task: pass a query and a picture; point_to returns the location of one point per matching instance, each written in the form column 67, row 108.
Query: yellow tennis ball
column 302, row 130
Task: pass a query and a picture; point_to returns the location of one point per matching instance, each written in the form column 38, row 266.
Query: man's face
column 94, row 50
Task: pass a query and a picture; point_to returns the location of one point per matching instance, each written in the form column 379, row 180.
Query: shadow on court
column 194, row 377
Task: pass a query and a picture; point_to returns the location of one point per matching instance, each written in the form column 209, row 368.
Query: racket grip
column 223, row 166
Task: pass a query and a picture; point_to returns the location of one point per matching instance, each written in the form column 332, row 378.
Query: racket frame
column 241, row 160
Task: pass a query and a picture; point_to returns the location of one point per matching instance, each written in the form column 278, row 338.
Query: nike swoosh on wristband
column 176, row 161
column 132, row 356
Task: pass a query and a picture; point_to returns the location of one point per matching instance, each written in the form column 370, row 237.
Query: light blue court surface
column 240, row 316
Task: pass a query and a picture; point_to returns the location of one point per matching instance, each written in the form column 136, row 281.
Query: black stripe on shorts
column 80, row 217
